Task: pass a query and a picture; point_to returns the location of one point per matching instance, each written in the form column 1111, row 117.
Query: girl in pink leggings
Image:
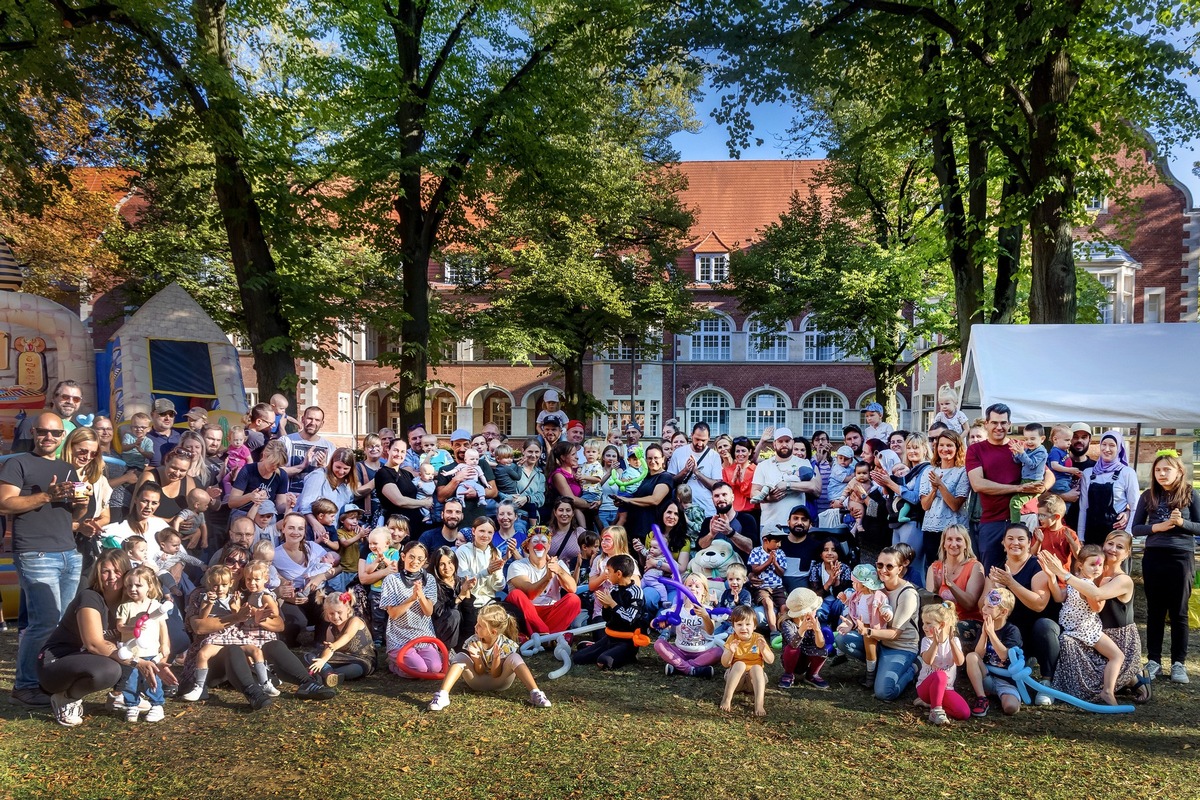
column 408, row 597
column 693, row 652
column 941, row 656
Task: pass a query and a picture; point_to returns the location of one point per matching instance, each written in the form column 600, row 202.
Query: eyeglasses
column 53, row 433
column 166, row 413
column 73, row 398
column 879, row 565
column 234, row 561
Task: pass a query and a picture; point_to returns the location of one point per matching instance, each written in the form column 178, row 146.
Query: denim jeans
column 48, row 582
column 132, row 684
column 894, row 671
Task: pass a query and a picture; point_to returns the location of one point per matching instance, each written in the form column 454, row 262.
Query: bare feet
column 726, row 707
column 760, row 712
column 1107, row 698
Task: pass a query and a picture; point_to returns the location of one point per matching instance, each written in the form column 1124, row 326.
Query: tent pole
column 1137, row 433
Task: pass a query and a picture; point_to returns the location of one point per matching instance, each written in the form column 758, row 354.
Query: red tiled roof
column 733, row 200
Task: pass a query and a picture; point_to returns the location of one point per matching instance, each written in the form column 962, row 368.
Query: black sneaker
column 867, row 681
column 32, row 697
column 311, row 690
column 258, row 699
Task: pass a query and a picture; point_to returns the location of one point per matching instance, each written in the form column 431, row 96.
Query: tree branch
column 946, row 345
column 439, row 63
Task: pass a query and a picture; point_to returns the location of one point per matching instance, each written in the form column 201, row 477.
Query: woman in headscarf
column 1108, row 492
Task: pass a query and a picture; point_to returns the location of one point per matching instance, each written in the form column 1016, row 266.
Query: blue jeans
column 910, row 534
column 894, row 671
column 48, row 582
column 133, row 683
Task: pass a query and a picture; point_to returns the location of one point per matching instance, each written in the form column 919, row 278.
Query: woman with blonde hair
column 82, row 451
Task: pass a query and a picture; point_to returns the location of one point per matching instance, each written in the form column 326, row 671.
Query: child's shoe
column 919, row 703
column 440, row 700
column 538, row 699
column 787, row 680
column 669, row 669
column 155, row 714
column 193, row 694
column 269, row 689
column 704, row 672
column 867, row 681
column 818, row 682
column 937, row 716
column 131, row 714
column 980, row 707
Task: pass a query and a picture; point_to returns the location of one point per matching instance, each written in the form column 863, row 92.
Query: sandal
column 1141, row 689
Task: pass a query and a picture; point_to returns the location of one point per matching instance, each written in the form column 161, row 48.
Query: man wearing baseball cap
column 450, row 476
column 1081, row 443
column 784, row 481
column 163, row 433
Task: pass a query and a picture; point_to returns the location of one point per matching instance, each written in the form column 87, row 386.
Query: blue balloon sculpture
column 671, row 617
column 1019, row 673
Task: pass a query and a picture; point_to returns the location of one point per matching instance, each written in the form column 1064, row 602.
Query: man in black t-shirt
column 45, row 497
column 450, row 476
column 800, row 548
column 738, row 528
column 1081, row 442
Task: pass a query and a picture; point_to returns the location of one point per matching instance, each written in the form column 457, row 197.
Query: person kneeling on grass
column 491, row 660
column 746, row 653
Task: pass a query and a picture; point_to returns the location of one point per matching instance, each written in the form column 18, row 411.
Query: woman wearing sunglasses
column 898, row 640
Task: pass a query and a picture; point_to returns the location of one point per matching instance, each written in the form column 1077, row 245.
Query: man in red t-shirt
column 994, row 476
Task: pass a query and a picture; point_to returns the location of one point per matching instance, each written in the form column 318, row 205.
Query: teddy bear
column 713, row 562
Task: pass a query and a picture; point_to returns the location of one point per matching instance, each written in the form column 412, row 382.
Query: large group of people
column 157, row 562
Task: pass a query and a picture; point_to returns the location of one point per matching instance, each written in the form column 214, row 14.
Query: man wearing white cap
column 1081, row 443
column 783, row 481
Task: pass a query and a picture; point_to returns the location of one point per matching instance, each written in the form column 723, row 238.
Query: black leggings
column 77, row 674
column 611, row 653
column 231, row 664
column 1168, row 578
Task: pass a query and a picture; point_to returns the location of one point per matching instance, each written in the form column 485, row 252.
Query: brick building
column 720, row 373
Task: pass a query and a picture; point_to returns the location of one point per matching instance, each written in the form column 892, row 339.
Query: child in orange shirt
column 1051, row 535
column 746, row 654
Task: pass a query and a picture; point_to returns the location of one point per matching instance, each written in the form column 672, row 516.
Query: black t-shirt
column 387, row 476
column 804, row 551
column 47, row 528
column 639, row 519
column 249, row 479
column 743, row 523
column 66, row 639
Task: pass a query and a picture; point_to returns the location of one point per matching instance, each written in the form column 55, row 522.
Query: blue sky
column 771, row 125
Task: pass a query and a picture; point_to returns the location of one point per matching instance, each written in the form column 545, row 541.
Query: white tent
column 1118, row 375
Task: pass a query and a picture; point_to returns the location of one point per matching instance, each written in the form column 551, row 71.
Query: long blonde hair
column 497, row 619
column 92, row 472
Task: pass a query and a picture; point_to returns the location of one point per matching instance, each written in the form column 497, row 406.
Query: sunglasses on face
column 235, row 562
column 53, row 433
column 167, row 414
column 884, row 567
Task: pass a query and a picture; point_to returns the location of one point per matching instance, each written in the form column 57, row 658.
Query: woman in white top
column 1108, row 492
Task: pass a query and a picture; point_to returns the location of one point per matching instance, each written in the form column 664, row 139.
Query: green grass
column 633, row 733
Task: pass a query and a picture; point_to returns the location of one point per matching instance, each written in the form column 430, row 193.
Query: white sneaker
column 440, row 700
column 193, row 694
column 66, row 712
column 116, row 702
column 269, row 689
column 1153, row 669
column 1179, row 673
column 131, row 714
column 937, row 716
column 1042, row 699
column 538, row 699
column 155, row 714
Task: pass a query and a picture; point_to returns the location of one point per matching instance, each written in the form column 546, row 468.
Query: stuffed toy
column 713, row 564
column 144, row 643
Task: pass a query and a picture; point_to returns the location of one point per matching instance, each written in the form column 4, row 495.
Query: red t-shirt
column 998, row 467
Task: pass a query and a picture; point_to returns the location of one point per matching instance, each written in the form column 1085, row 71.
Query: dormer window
column 712, row 267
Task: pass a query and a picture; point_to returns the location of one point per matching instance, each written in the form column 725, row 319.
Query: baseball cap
column 163, row 405
column 1081, row 427
column 845, row 451
column 574, row 424
column 552, row 419
column 460, row 434
column 196, row 412
column 783, row 433
column 876, row 407
column 551, row 396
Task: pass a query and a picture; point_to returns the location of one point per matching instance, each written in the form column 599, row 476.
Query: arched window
column 711, row 340
column 901, row 407
column 823, row 411
column 443, row 414
column 819, row 345
column 765, row 409
column 712, row 407
column 497, row 408
column 766, row 344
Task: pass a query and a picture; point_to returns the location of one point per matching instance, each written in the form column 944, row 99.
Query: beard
column 798, row 530
column 1080, row 449
column 723, row 509
column 783, row 451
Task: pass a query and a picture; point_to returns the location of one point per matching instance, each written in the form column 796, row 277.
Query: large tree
column 1023, row 108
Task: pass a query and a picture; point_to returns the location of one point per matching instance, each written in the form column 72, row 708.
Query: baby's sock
column 201, row 677
column 260, row 671
column 870, row 667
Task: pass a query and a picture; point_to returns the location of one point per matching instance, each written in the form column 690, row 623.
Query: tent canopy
column 1098, row 374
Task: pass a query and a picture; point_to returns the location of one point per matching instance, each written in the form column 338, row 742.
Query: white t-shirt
column 551, row 592
column 120, row 531
column 882, row 431
column 708, row 464
column 770, row 472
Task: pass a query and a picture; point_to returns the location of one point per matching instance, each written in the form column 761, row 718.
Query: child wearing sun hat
column 805, row 641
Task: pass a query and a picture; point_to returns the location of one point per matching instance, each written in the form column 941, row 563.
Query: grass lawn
column 634, row 733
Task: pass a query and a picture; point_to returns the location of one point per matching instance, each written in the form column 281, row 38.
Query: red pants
column 792, row 659
column 546, row 619
column 933, row 690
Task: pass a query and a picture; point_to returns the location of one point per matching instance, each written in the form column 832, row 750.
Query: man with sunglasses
column 42, row 495
column 65, row 401
column 163, row 433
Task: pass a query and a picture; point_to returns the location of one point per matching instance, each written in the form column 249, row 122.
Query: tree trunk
column 887, row 383
column 1052, row 288
column 572, row 369
column 414, row 331
column 1008, row 261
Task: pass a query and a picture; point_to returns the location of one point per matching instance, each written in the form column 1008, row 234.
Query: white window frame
column 1159, row 295
column 461, row 269
column 710, row 406
column 344, row 411
column 818, row 344
column 712, row 340
column 764, row 345
column 251, row 397
column 822, row 410
column 759, row 419
column 1096, row 204
column 490, row 415
column 712, row 267
column 646, row 413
